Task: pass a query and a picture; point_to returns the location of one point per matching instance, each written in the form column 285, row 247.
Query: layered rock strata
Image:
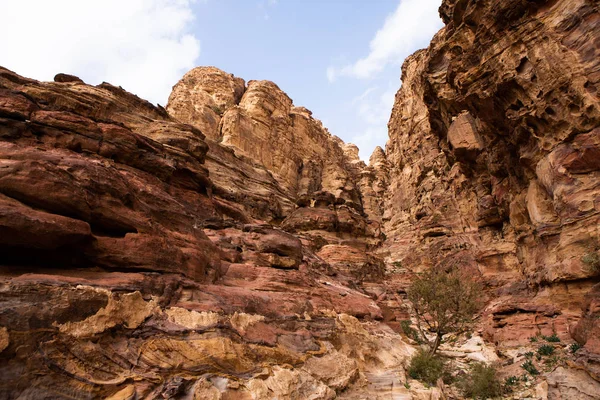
column 134, row 266
column 493, row 165
column 294, row 154
column 230, row 247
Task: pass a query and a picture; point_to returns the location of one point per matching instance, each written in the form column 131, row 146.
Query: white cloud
column 265, row 4
column 368, row 140
column 373, row 108
column 330, row 74
column 374, row 105
column 143, row 45
column 410, row 27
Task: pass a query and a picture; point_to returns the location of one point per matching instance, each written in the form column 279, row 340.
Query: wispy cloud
column 266, row 4
column 410, row 27
column 373, row 107
column 368, row 140
column 144, row 46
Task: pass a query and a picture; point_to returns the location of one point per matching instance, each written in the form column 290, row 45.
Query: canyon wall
column 260, row 124
column 143, row 259
column 493, row 165
column 230, row 247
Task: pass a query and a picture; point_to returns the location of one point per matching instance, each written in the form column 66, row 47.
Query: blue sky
column 339, row 58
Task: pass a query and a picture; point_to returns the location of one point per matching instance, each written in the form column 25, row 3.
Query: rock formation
column 259, row 124
column 493, row 166
column 134, row 265
column 230, row 247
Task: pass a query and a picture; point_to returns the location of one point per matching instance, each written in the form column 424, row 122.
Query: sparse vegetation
column 217, row 110
column 406, row 328
column 533, row 339
column 545, row 350
column 591, row 261
column 574, row 347
column 511, row 381
column 481, row 382
column 409, row 331
column 529, row 354
column 426, row 367
column 529, row 367
column 551, row 362
column 552, row 338
column 443, row 302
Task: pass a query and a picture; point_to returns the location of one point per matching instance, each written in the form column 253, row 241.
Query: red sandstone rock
column 490, row 160
column 234, row 249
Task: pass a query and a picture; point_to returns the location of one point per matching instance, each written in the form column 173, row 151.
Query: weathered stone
column 463, row 135
column 64, row 78
column 232, row 248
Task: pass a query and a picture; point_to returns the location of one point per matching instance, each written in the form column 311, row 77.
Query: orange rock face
column 293, row 153
column 490, row 163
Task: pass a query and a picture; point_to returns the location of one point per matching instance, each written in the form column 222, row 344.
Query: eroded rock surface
column 279, row 149
column 491, row 168
column 230, row 247
column 141, row 259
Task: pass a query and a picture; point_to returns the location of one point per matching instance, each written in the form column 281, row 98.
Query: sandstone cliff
column 260, row 124
column 231, row 247
column 493, row 166
column 135, row 265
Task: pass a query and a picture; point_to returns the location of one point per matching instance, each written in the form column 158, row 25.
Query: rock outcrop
column 138, row 261
column 261, row 126
column 493, row 164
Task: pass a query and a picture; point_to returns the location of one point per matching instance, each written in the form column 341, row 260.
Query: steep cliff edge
column 135, row 265
column 259, row 123
column 493, row 166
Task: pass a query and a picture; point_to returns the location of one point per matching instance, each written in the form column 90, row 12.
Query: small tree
column 481, row 382
column 444, row 302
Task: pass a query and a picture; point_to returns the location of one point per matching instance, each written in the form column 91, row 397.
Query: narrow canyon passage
column 228, row 246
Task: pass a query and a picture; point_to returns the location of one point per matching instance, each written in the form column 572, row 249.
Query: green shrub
column 529, row 367
column 591, row 262
column 574, row 347
column 444, row 301
column 481, row 382
column 551, row 362
column 406, row 328
column 410, row 332
column 533, row 339
column 217, row 110
column 545, row 350
column 552, row 338
column 510, row 383
column 426, row 367
column 529, row 354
